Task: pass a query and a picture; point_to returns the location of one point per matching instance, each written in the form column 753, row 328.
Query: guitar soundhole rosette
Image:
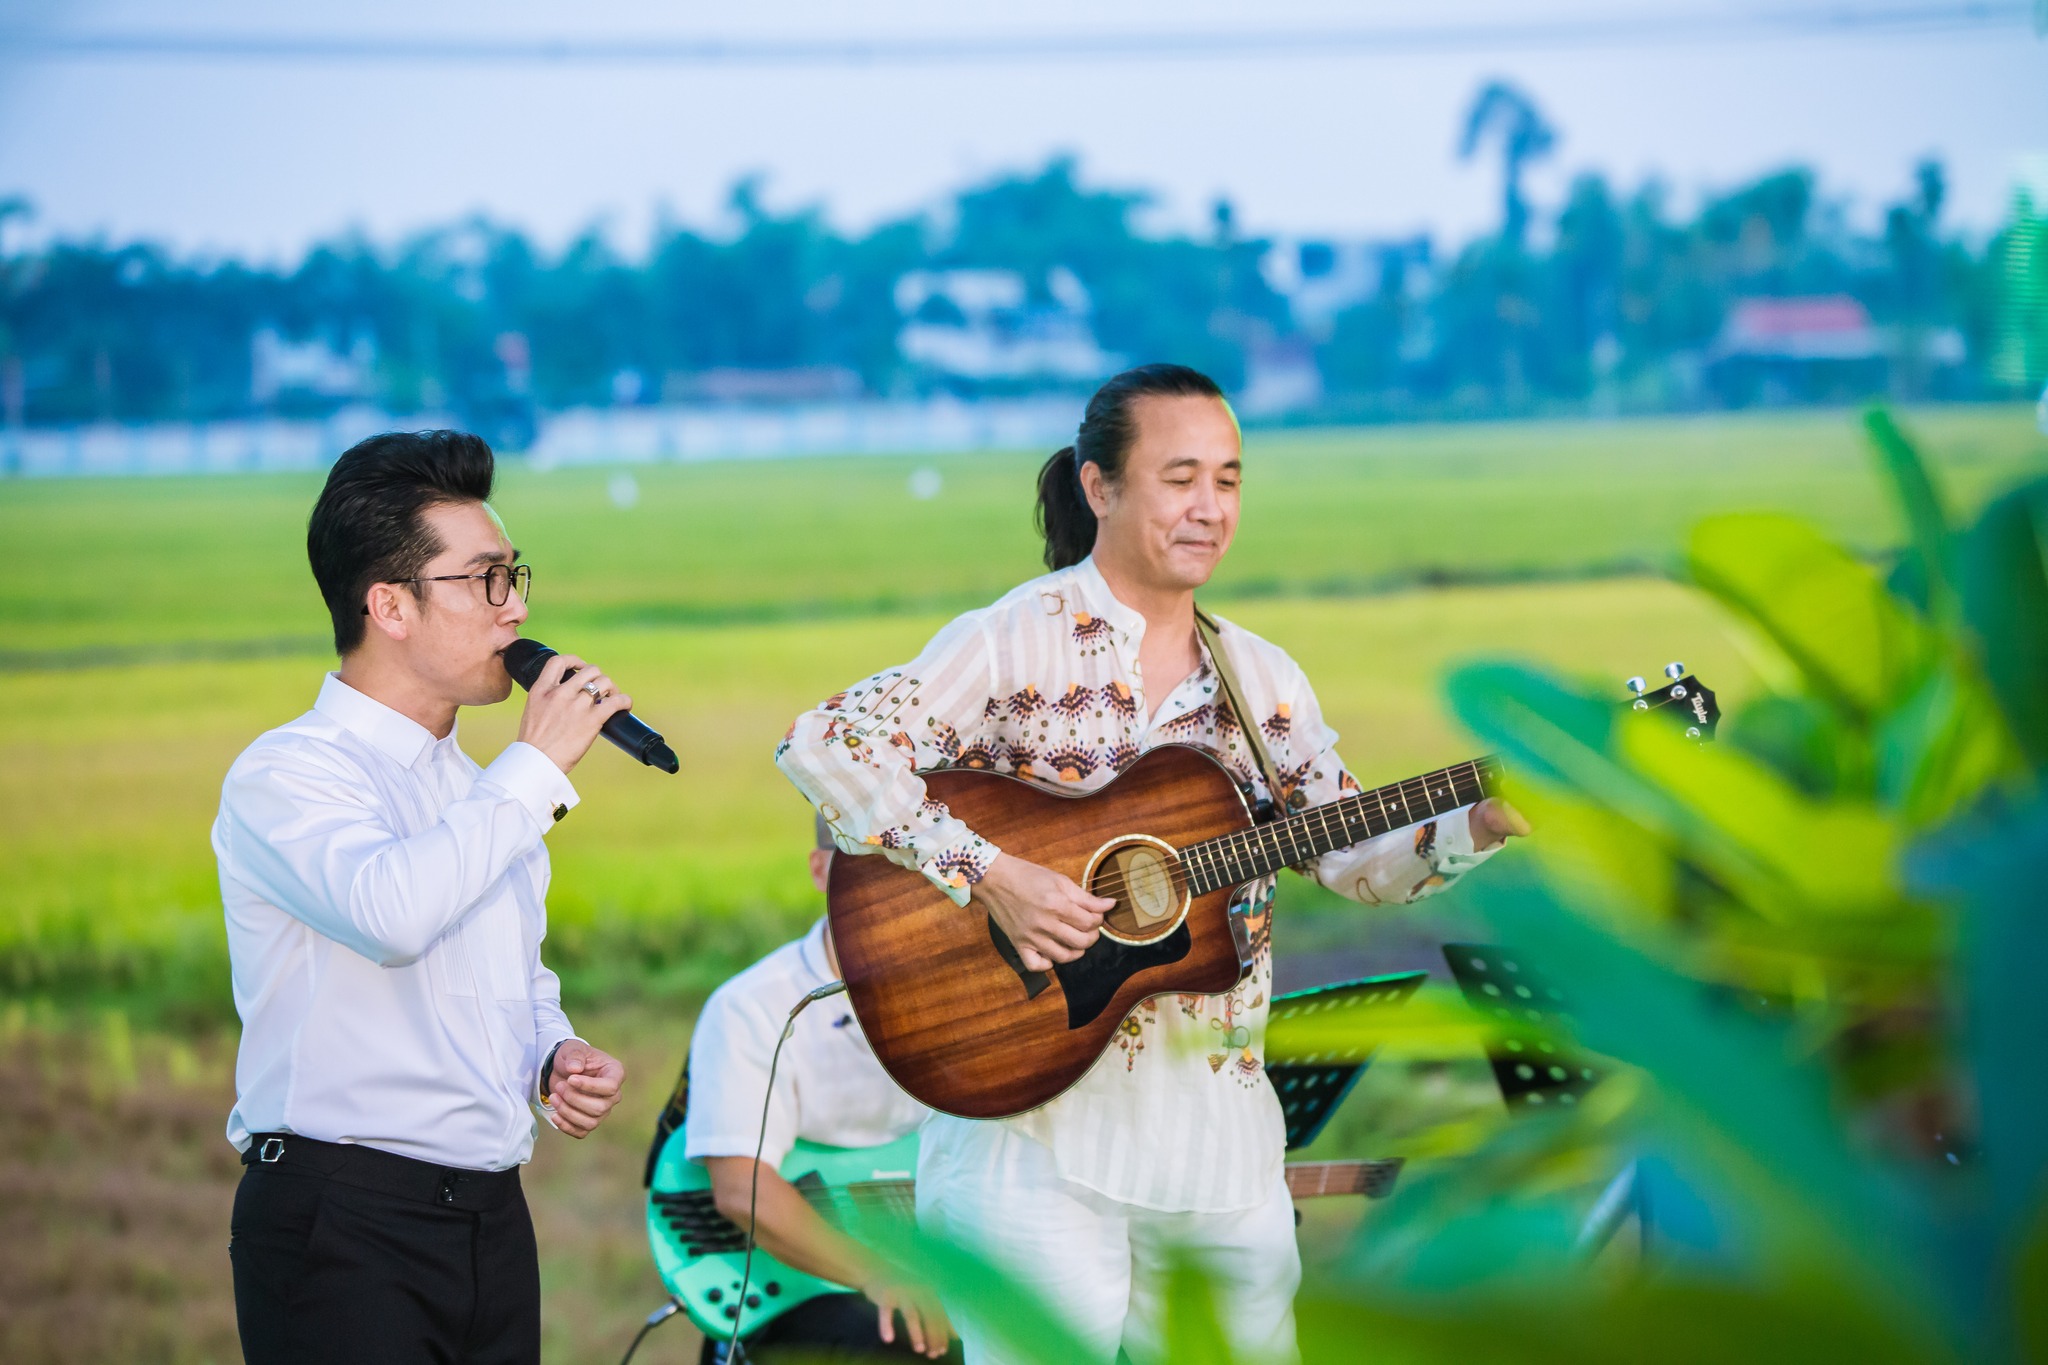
column 1145, row 878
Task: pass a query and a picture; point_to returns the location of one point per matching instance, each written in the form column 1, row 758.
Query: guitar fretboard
column 1374, row 1179
column 838, row 1202
column 1249, row 854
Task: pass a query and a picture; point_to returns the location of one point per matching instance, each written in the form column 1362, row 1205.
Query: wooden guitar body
column 955, row 1018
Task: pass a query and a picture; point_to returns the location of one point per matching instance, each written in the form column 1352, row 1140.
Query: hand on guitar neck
column 1494, row 821
column 1048, row 917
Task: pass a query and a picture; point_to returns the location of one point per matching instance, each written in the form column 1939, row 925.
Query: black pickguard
column 1034, row 982
column 1092, row 980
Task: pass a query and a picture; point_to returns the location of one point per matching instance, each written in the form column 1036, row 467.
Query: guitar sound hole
column 1146, row 880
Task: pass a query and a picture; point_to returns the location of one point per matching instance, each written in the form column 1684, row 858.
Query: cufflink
column 560, row 811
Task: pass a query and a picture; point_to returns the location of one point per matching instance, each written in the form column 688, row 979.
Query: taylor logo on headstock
column 1686, row 694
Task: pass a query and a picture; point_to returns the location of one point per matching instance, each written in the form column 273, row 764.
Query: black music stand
column 1535, row 1072
column 1314, row 1082
column 1527, row 1010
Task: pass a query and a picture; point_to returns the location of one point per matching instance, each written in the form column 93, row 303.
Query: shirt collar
column 397, row 737
column 1095, row 591
column 811, row 948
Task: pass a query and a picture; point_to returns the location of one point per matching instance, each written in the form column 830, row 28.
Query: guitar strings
column 1232, row 847
column 1116, row 883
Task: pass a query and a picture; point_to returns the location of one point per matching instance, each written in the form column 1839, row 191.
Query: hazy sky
column 265, row 155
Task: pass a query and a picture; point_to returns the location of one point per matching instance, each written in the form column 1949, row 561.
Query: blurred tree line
column 1613, row 300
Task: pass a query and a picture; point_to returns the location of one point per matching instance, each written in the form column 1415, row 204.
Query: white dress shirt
column 386, row 900
column 828, row 1087
column 1045, row 684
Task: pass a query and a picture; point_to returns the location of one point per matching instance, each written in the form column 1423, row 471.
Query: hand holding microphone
column 570, row 703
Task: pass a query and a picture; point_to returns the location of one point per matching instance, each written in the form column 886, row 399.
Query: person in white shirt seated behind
column 829, row 1089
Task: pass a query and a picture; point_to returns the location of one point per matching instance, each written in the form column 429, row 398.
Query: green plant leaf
column 2004, row 576
column 1723, row 1072
column 1549, row 733
column 1804, row 741
column 1942, row 746
column 1931, row 550
column 1788, row 852
column 1024, row 1326
column 1193, row 1325
column 1827, row 613
column 1996, row 872
column 2029, row 1274
column 1802, row 1319
column 1784, row 853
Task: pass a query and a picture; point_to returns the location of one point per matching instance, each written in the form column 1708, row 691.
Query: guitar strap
column 1205, row 626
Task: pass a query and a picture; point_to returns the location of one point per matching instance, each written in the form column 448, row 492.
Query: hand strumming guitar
column 1048, row 917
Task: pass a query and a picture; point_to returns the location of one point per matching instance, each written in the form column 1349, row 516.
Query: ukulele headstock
column 1682, row 699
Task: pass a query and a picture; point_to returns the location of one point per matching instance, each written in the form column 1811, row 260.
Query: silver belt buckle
column 270, row 1151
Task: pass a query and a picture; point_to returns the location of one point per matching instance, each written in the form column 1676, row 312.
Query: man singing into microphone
column 386, row 900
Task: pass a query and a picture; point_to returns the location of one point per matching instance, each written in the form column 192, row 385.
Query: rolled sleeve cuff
column 736, row 1144
column 531, row 778
column 1454, row 850
column 963, row 862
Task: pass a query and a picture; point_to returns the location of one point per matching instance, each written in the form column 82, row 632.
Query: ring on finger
column 595, row 692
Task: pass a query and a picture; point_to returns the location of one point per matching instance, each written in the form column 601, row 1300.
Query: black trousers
column 345, row 1254
column 831, row 1327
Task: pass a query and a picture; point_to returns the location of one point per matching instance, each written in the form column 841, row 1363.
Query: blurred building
column 1817, row 348
column 989, row 327
column 310, row 374
column 1321, row 278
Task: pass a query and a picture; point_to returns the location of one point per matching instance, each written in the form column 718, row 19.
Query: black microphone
column 524, row 660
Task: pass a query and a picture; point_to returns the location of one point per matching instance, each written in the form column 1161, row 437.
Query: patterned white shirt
column 1045, row 684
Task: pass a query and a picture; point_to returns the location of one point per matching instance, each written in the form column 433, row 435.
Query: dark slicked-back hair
column 368, row 526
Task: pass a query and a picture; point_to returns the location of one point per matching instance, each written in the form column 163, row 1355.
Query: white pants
column 1102, row 1265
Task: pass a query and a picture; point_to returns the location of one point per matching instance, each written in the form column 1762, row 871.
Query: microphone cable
column 654, row 1320
column 734, row 1353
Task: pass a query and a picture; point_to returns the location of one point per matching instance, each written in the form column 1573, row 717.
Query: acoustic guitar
column 701, row 1254
column 961, row 1024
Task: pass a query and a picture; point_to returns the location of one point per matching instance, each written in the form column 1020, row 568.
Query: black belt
column 369, row 1168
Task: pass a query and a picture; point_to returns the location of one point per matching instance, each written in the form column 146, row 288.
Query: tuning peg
column 1674, row 670
column 1636, row 685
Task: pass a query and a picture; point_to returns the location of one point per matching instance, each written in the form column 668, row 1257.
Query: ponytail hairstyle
column 1108, row 430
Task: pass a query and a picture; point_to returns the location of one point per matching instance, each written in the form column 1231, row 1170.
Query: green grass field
column 153, row 627
column 169, row 564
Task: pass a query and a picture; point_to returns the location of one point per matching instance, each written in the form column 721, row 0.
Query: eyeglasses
column 499, row 581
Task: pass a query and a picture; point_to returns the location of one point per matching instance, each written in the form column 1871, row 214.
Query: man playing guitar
column 828, row 1089
column 1175, row 1137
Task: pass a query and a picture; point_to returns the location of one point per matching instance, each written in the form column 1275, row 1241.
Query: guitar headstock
column 1682, row 698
